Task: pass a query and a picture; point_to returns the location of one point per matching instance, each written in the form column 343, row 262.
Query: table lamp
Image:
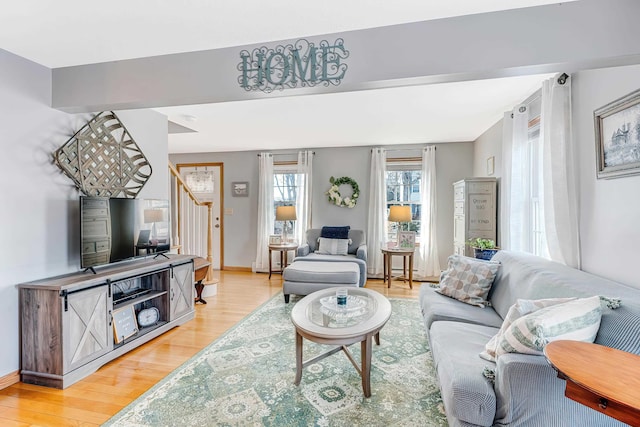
column 399, row 214
column 151, row 216
column 285, row 213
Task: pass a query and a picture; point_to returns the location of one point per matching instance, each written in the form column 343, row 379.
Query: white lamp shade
column 400, row 214
column 286, row 213
column 153, row 215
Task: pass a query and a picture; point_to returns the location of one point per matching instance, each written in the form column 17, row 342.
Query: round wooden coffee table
column 317, row 319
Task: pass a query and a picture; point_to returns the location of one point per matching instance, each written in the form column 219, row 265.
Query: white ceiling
column 448, row 112
column 58, row 33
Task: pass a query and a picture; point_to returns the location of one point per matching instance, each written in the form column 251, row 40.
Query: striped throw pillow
column 577, row 320
column 521, row 308
column 333, row 246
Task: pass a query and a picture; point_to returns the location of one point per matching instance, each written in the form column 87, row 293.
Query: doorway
column 206, row 182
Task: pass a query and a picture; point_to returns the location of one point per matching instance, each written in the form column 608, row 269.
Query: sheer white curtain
column 265, row 211
column 304, row 196
column 515, row 186
column 427, row 260
column 377, row 218
column 505, row 182
column 558, row 171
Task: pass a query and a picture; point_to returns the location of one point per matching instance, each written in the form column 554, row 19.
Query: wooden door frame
column 221, row 165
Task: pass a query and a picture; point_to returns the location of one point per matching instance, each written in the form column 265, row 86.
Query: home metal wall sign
column 300, row 64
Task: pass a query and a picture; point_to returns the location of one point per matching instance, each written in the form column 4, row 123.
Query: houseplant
column 483, row 248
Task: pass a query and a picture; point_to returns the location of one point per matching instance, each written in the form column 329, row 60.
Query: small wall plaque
column 491, row 165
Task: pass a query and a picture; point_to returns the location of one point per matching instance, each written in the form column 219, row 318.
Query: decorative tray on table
column 356, row 306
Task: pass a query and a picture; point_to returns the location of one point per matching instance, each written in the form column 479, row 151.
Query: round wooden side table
column 407, row 254
column 284, row 249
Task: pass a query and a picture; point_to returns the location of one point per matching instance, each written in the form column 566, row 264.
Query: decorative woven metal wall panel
column 103, row 160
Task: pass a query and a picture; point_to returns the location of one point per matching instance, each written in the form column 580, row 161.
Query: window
column 200, row 181
column 285, row 189
column 403, row 188
column 537, row 244
column 527, row 204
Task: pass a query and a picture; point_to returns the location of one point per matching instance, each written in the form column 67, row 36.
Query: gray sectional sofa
column 527, row 391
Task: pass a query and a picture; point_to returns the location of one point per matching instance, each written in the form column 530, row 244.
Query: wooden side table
column 407, row 254
column 602, row 378
column 284, row 249
column 201, row 268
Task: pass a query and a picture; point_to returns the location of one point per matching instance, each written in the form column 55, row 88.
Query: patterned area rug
column 245, row 378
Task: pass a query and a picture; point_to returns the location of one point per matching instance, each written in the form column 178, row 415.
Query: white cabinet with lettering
column 474, row 212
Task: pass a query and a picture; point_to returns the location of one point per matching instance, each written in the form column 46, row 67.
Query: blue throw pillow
column 335, row 232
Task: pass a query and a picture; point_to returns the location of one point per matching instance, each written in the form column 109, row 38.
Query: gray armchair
column 357, row 251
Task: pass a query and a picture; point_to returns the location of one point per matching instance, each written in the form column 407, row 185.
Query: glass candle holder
column 341, row 298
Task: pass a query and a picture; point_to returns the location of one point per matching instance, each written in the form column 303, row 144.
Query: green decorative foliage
column 482, row 244
column 336, row 198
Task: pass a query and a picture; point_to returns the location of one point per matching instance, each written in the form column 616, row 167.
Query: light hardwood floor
column 95, row 399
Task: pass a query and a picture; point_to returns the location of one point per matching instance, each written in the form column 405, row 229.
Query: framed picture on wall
column 617, row 129
column 240, row 189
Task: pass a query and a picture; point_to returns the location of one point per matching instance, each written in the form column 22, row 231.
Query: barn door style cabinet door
column 86, row 317
column 182, row 290
column 474, row 212
column 68, row 324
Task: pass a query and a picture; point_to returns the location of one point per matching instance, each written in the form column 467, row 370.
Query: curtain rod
column 562, row 79
column 403, row 159
column 284, row 154
column 406, row 149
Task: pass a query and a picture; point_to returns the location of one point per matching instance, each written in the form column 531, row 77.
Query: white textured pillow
column 577, row 320
column 521, row 308
column 333, row 246
column 468, row 279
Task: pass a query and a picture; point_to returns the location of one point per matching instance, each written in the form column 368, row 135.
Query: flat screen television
column 115, row 229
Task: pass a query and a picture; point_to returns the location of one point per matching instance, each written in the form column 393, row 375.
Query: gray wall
column 489, row 144
column 453, row 162
column 608, row 209
column 39, row 212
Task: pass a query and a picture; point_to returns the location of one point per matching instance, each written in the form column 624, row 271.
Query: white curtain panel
column 558, row 172
column 427, row 260
column 377, row 217
column 304, row 197
column 265, row 211
column 505, row 182
column 516, row 148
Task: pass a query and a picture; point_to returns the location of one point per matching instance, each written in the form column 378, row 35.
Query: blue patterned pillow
column 335, row 232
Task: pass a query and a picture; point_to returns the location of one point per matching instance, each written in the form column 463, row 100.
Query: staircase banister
column 180, row 217
column 193, row 197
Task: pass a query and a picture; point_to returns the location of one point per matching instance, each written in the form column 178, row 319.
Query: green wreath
column 334, row 192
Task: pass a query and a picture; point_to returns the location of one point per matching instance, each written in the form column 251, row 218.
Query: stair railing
column 189, row 212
